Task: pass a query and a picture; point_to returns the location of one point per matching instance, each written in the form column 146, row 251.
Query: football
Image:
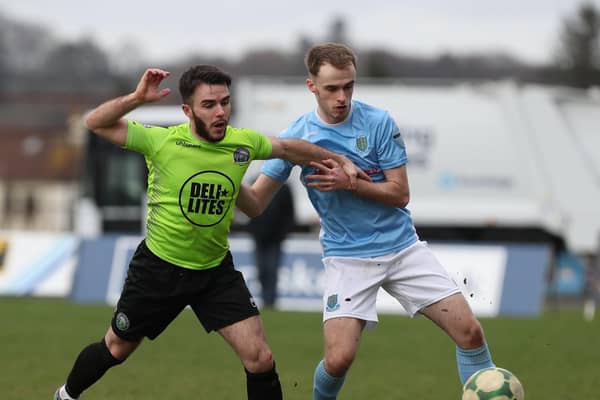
column 493, row 384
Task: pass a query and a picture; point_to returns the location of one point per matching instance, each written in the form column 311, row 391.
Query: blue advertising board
column 496, row 279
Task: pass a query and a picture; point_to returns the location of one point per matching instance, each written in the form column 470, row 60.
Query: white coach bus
column 489, row 161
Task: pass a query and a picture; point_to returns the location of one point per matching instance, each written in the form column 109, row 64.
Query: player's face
column 209, row 112
column 333, row 90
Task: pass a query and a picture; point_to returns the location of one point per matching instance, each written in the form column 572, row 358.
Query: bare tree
column 24, row 45
column 77, row 66
column 337, row 31
column 579, row 46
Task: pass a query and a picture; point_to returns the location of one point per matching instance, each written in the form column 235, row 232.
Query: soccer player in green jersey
column 194, row 175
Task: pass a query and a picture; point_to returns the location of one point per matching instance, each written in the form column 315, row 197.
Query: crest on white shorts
column 332, row 303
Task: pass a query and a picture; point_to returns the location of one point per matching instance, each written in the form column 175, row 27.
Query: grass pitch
column 556, row 356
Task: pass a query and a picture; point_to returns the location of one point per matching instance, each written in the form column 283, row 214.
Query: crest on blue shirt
column 362, row 144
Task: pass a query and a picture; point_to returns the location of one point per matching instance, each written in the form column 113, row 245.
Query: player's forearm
column 248, row 202
column 302, row 152
column 108, row 114
column 388, row 193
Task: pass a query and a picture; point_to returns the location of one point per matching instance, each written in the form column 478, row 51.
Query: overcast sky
column 527, row 29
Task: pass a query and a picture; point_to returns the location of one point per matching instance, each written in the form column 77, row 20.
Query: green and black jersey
column 193, row 186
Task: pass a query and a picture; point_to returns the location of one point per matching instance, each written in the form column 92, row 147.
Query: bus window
column 115, row 179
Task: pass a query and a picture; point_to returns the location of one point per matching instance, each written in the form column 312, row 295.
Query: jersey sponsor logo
column 371, row 171
column 362, row 143
column 332, row 303
column 241, row 156
column 206, row 197
column 183, row 143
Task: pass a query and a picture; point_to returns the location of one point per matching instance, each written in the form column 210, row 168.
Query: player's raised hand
column 148, row 88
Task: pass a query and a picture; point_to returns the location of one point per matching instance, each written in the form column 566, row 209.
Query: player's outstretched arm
column 302, row 152
column 107, row 121
column 394, row 191
column 253, row 200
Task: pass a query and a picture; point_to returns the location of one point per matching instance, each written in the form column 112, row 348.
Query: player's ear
column 310, row 84
column 187, row 110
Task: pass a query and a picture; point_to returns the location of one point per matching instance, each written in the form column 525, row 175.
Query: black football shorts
column 156, row 291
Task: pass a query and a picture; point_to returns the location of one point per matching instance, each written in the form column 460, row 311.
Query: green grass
column 556, row 356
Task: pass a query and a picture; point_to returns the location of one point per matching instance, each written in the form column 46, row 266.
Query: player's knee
column 120, row 353
column 119, row 348
column 265, row 360
column 471, row 336
column 338, row 364
column 261, row 360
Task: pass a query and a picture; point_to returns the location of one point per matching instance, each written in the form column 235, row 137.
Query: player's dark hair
column 338, row 55
column 199, row 74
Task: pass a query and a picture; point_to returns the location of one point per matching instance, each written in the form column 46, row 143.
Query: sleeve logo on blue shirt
column 398, row 139
column 362, row 143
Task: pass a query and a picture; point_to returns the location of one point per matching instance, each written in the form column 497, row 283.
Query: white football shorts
column 412, row 276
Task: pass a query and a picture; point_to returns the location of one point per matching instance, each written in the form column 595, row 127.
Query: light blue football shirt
column 354, row 226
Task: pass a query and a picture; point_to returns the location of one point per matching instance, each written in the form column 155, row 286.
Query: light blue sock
column 470, row 361
column 326, row 387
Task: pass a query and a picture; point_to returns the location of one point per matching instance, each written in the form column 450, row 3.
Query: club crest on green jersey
column 241, row 156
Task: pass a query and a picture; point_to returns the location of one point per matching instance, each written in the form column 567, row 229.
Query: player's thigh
column 351, row 286
column 246, row 335
column 224, row 298
column 417, row 279
column 342, row 337
column 247, row 339
column 146, row 306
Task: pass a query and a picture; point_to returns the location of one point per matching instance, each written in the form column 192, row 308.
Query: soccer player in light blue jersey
column 368, row 237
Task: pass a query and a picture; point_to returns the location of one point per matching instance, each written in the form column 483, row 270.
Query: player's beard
column 202, row 130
